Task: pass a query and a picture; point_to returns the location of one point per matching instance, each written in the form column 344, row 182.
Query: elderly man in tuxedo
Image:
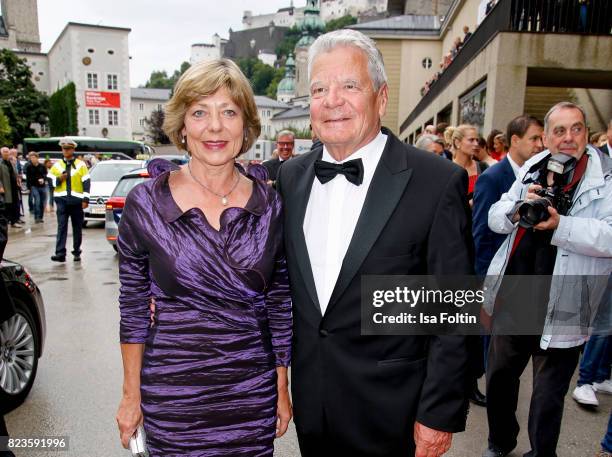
column 364, row 203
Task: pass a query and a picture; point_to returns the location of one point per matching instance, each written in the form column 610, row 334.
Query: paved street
column 79, row 377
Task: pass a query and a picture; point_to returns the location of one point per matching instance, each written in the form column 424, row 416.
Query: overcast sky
column 162, row 30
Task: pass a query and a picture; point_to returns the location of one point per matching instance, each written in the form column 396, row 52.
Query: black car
column 22, row 334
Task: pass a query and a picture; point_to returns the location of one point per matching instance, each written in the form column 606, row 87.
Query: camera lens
column 533, row 212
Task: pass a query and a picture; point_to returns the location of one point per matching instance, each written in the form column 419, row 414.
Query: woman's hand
column 283, row 412
column 283, row 407
column 129, row 417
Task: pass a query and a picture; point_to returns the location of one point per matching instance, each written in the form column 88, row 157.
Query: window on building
column 268, row 113
column 91, row 50
column 111, row 52
column 141, row 106
column 94, row 117
column 113, row 117
column 159, row 107
column 141, row 122
column 92, row 81
column 112, row 82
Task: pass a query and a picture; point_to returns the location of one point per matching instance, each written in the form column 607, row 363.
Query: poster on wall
column 96, row 99
column 472, row 106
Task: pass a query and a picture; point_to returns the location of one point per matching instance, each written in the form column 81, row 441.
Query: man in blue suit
column 524, row 135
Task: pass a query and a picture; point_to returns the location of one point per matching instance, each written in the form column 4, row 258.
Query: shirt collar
column 369, row 154
column 513, row 164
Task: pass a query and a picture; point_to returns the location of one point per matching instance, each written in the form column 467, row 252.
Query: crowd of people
column 214, row 301
column 229, row 276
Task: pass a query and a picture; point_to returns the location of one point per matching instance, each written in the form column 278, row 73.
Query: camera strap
column 578, row 174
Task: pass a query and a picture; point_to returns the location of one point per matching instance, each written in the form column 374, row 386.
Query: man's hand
column 531, row 192
column 430, row 442
column 1, row 190
column 551, row 223
column 63, row 177
column 84, row 204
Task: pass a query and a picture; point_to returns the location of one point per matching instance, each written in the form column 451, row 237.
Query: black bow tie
column 352, row 170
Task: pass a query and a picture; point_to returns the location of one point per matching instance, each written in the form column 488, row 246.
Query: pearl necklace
column 223, row 198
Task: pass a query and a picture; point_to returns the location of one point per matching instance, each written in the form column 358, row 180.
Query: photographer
column 567, row 233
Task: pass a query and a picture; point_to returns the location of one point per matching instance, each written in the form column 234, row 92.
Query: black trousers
column 552, row 373
column 72, row 208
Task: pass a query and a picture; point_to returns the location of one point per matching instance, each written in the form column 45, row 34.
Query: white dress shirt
column 515, row 166
column 331, row 216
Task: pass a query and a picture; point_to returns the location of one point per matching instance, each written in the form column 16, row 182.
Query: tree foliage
column 5, row 130
column 63, row 119
column 155, row 127
column 287, row 45
column 21, row 103
column 259, row 74
column 279, row 74
column 340, row 23
column 161, row 80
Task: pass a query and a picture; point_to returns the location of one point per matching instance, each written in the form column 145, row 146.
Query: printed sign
column 102, row 99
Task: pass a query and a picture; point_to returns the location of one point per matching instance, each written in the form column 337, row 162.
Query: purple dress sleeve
column 278, row 301
column 133, row 273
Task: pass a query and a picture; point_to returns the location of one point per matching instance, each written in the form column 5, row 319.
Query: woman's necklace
column 222, row 197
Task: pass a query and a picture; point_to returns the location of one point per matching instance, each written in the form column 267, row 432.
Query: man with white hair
column 430, row 143
column 361, row 203
column 569, row 240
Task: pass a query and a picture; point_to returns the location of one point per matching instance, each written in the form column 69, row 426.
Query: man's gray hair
column 563, row 105
column 285, row 133
column 348, row 37
column 425, row 140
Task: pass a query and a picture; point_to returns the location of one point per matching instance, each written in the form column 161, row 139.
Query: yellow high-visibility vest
column 79, row 179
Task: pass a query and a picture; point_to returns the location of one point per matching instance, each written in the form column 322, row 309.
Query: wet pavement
column 78, row 385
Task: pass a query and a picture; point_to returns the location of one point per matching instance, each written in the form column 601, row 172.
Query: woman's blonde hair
column 451, row 134
column 203, row 79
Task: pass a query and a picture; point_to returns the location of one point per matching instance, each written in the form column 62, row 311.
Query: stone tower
column 21, row 21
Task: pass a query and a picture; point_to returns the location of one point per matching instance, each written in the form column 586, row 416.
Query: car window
column 127, row 184
column 111, row 171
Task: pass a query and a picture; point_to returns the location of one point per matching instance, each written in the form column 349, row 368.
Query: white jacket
column 584, row 249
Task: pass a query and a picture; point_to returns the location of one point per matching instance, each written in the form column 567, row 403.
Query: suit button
column 323, row 332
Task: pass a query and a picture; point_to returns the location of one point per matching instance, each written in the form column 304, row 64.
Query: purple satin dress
column 222, row 320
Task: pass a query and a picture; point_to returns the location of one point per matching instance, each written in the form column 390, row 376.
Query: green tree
column 287, row 45
column 63, row 108
column 5, row 130
column 279, row 74
column 155, row 127
column 340, row 23
column 159, row 79
column 21, row 102
column 247, row 65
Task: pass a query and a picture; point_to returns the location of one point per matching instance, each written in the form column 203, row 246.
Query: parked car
column 104, row 178
column 22, row 335
column 115, row 204
column 175, row 158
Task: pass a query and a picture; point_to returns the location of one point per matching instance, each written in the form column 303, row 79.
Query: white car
column 104, row 177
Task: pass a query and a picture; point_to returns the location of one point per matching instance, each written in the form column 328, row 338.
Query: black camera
column 553, row 175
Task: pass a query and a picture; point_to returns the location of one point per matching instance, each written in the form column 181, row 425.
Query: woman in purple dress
column 207, row 368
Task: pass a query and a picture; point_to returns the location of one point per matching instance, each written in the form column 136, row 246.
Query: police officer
column 71, row 181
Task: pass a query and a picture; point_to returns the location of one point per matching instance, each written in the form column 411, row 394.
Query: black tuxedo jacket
column 369, row 390
column 272, row 166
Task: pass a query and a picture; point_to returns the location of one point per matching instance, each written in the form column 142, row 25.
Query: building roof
column 150, row 94
column 292, row 113
column 411, row 24
column 93, row 26
column 266, row 102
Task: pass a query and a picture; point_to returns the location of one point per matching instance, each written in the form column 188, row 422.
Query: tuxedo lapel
column 301, row 192
column 387, row 186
